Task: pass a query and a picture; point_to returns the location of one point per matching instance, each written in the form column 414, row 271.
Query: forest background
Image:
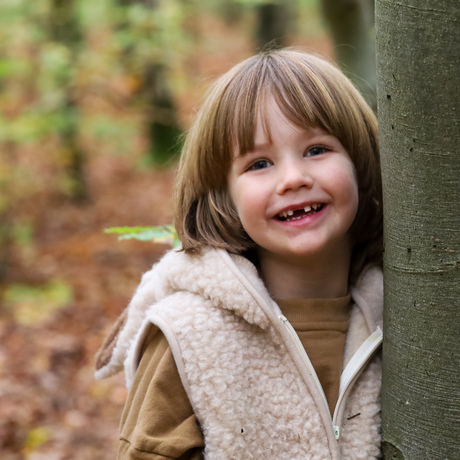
column 91, row 94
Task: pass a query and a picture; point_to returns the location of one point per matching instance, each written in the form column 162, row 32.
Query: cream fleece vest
column 246, row 380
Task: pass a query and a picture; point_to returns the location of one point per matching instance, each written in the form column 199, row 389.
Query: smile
column 296, row 214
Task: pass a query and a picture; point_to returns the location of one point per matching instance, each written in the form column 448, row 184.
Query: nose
column 293, row 176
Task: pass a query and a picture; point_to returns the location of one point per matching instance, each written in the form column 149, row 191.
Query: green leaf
column 157, row 234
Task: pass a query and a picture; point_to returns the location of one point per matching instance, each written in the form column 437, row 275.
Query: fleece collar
column 230, row 282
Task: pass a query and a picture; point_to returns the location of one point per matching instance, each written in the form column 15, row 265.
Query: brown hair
column 311, row 93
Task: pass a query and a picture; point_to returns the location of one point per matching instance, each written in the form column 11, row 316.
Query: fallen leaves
column 60, row 300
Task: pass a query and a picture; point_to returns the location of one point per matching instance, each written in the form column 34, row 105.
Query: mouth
column 296, row 214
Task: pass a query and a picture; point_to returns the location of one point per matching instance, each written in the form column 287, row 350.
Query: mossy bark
column 418, row 69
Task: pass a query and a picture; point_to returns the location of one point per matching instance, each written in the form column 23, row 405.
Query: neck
column 324, row 278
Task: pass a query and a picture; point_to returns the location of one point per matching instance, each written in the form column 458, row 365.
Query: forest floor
column 51, row 407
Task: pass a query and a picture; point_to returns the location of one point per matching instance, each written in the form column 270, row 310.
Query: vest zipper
column 353, row 369
column 349, row 374
column 308, row 364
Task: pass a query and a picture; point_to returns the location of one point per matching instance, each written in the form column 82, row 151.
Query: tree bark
column 418, row 69
column 351, row 24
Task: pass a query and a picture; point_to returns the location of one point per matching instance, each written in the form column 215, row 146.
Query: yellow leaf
column 35, row 438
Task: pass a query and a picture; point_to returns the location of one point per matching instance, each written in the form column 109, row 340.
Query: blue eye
column 315, row 150
column 259, row 164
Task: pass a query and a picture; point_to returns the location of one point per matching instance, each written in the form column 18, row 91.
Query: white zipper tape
column 356, row 363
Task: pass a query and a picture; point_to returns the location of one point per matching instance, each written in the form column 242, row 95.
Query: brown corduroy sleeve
column 158, row 421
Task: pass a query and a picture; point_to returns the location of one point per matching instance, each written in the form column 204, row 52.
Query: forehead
column 272, row 115
column 271, row 122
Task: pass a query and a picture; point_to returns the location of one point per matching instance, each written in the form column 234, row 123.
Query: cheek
column 247, row 209
column 347, row 189
column 353, row 199
column 343, row 176
column 245, row 197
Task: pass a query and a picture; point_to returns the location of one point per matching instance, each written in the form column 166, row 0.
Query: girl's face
column 296, row 197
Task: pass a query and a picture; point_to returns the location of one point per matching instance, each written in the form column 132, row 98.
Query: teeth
column 290, row 212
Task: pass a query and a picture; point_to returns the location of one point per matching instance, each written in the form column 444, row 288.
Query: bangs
column 300, row 93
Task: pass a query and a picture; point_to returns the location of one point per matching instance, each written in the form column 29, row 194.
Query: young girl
column 260, row 338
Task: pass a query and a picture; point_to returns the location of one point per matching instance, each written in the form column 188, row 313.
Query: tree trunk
column 64, row 28
column 8, row 162
column 273, row 24
column 162, row 127
column 351, row 23
column 418, row 69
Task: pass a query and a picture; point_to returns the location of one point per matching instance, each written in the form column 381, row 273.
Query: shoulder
column 158, row 418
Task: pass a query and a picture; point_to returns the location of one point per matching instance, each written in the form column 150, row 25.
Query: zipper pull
column 336, row 432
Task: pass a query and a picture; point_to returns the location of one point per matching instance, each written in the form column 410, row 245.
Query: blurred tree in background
column 64, row 29
column 152, row 41
column 274, row 23
column 351, row 23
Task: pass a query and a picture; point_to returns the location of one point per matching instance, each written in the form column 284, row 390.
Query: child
column 259, row 339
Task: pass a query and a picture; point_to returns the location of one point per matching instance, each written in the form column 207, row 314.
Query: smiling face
column 296, row 196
